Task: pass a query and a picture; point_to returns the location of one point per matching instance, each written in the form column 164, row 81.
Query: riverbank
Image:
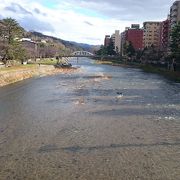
column 18, row 73
column 172, row 75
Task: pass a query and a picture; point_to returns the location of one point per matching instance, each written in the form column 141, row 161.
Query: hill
column 73, row 46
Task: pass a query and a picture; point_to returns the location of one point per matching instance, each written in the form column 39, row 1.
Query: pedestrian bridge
column 63, row 60
column 82, row 54
column 79, row 54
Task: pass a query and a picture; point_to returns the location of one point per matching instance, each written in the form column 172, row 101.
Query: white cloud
column 80, row 21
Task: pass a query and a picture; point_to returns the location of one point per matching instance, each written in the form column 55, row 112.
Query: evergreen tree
column 102, row 51
column 175, row 42
column 10, row 33
column 110, row 49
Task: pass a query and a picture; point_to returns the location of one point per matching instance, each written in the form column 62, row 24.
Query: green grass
column 166, row 73
column 103, row 62
column 48, row 61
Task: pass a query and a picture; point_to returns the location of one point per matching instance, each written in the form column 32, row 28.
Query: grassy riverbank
column 175, row 76
column 48, row 61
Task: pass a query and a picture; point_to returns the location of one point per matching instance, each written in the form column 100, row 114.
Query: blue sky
column 49, row 4
column 86, row 21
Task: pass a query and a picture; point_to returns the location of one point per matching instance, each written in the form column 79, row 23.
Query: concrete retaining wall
column 14, row 76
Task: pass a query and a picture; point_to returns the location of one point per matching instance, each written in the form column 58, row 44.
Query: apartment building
column 175, row 14
column 116, row 39
column 123, row 41
column 135, row 36
column 164, row 35
column 107, row 40
column 151, row 34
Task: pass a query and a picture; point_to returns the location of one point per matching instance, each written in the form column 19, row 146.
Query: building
column 174, row 14
column 107, row 40
column 135, row 36
column 126, row 28
column 164, row 35
column 135, row 26
column 123, row 41
column 116, row 39
column 151, row 34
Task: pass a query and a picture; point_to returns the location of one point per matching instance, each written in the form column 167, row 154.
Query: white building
column 116, row 39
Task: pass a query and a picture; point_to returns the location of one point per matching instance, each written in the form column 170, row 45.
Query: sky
column 83, row 21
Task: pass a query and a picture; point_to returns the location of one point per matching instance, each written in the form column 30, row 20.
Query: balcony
column 174, row 14
column 174, row 8
column 173, row 19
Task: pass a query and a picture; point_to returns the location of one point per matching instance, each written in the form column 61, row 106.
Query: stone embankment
column 15, row 75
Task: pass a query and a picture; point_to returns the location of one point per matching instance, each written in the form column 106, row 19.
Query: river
column 101, row 122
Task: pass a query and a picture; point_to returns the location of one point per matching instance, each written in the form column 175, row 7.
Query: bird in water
column 120, row 95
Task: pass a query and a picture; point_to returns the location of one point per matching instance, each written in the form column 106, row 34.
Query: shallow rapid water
column 101, row 122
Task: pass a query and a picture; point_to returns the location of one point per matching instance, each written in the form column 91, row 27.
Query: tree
column 130, row 50
column 110, row 49
column 10, row 33
column 102, row 51
column 10, row 29
column 139, row 54
column 19, row 52
column 117, row 50
column 175, row 42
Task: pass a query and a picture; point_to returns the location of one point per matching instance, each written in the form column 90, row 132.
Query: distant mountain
column 86, row 47
column 68, row 44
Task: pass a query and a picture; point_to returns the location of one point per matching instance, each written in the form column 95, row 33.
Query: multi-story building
column 116, row 39
column 175, row 14
column 164, row 35
column 135, row 36
column 135, row 26
column 151, row 34
column 107, row 40
column 123, row 41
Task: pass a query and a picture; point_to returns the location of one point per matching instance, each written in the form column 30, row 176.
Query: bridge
column 79, row 54
column 64, row 59
column 82, row 54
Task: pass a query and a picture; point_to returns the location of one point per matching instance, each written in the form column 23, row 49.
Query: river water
column 100, row 122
